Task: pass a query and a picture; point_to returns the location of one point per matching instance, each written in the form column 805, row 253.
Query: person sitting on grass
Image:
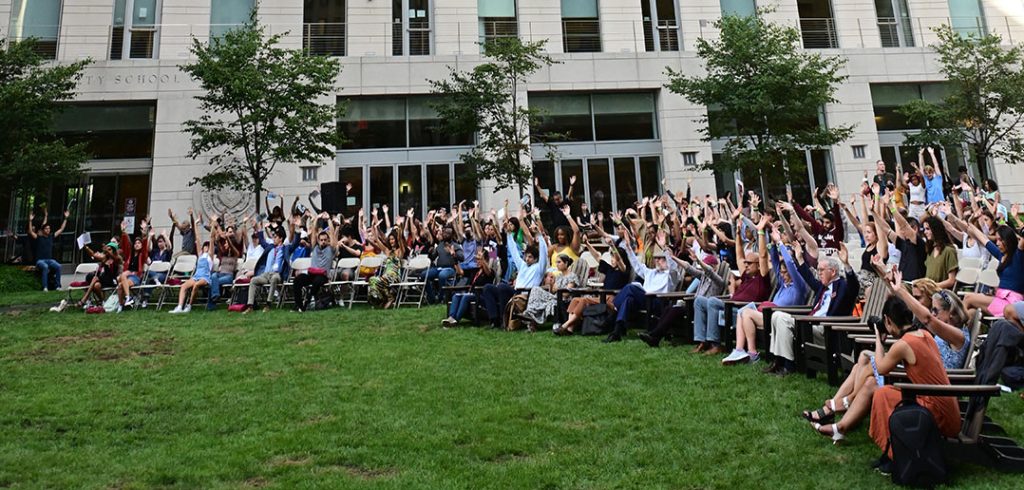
column 105, row 277
column 461, row 302
column 43, row 249
column 135, row 263
column 200, row 278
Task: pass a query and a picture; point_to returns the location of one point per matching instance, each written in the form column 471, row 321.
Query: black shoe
column 883, row 465
column 783, row 372
column 612, row 338
column 772, row 368
column 650, row 339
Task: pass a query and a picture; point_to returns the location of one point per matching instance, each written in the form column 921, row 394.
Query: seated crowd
column 671, row 261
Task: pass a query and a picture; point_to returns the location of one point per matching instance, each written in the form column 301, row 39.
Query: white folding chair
column 158, row 267
column 298, row 267
column 78, row 282
column 970, row 263
column 966, row 278
column 373, row 263
column 181, row 271
column 335, row 285
column 411, row 282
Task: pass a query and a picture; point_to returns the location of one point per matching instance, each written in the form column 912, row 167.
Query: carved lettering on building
column 133, row 79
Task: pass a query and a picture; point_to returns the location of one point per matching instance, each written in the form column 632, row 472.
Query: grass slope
column 368, row 399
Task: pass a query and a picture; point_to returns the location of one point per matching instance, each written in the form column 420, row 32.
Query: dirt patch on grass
column 318, row 419
column 77, row 339
column 305, row 342
column 255, row 482
column 508, row 457
column 97, row 346
column 286, row 460
column 360, row 472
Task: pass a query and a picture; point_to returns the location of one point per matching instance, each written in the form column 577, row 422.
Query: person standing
column 43, row 249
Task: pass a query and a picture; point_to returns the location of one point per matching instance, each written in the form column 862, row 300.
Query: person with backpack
column 917, row 351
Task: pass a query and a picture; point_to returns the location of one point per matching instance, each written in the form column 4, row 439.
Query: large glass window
column 627, row 116
column 661, row 23
column 967, row 17
column 894, row 23
column 323, row 30
column 410, row 188
column 229, row 14
column 110, row 131
column 395, row 122
column 604, row 184
column 886, row 98
column 614, row 116
column 411, row 27
column 401, row 187
column 599, row 190
column 581, row 26
column 497, row 19
column 382, row 187
column 626, row 192
column 134, row 31
column 39, row 19
column 740, row 8
column 438, row 180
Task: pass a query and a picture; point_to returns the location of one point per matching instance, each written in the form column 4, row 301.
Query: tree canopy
column 984, row 102
column 485, row 101
column 764, row 95
column 260, row 108
column 32, row 157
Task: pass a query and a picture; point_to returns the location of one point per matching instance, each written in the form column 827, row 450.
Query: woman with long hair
column 941, row 263
column 1006, row 248
column 380, row 292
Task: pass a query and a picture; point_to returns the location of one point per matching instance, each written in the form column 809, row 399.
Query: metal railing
column 819, row 33
column 667, row 32
column 418, row 37
column 581, row 36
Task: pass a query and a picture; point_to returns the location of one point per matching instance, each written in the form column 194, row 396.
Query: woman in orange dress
column 917, row 352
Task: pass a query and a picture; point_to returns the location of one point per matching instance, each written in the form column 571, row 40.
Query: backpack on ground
column 916, row 447
column 597, row 320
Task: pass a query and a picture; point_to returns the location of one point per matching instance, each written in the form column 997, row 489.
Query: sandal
column 820, row 416
column 835, row 435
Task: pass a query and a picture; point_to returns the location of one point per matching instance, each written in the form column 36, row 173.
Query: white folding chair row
column 970, row 262
column 183, row 268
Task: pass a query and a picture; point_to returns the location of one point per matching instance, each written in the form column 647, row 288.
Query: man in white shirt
column 531, row 265
column 661, row 279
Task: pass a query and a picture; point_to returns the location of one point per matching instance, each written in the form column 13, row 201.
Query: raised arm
column 935, row 161
column 31, row 227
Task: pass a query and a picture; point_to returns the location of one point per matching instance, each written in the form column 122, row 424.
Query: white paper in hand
column 501, row 214
column 83, row 240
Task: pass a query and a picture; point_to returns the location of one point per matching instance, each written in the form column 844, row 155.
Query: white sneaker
column 45, row 290
column 145, row 304
column 177, row 309
column 119, row 309
column 735, row 356
column 187, row 309
column 129, row 302
column 62, row 306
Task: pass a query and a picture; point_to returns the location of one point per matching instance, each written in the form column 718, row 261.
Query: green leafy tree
column 260, row 108
column 485, row 101
column 763, row 95
column 31, row 156
column 984, row 103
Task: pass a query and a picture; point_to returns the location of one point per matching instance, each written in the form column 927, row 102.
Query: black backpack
column 916, row 447
column 597, row 320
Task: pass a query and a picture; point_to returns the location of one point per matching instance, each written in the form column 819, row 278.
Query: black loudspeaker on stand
column 332, row 197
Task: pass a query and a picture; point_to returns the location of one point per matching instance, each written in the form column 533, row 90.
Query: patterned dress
column 380, row 292
column 542, row 303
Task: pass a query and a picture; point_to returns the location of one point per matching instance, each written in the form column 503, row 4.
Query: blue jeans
column 706, row 312
column 46, row 266
column 460, row 303
column 217, row 281
column 444, row 275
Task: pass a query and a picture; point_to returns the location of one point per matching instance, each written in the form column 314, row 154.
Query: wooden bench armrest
column 947, row 390
column 823, row 319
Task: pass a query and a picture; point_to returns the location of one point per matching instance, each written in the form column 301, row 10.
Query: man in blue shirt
column 43, row 242
column 531, row 266
column 273, row 267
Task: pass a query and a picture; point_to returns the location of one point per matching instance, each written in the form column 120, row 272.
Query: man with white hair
column 662, row 278
column 836, row 289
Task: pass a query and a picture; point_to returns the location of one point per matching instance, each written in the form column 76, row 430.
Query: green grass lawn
column 361, row 398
